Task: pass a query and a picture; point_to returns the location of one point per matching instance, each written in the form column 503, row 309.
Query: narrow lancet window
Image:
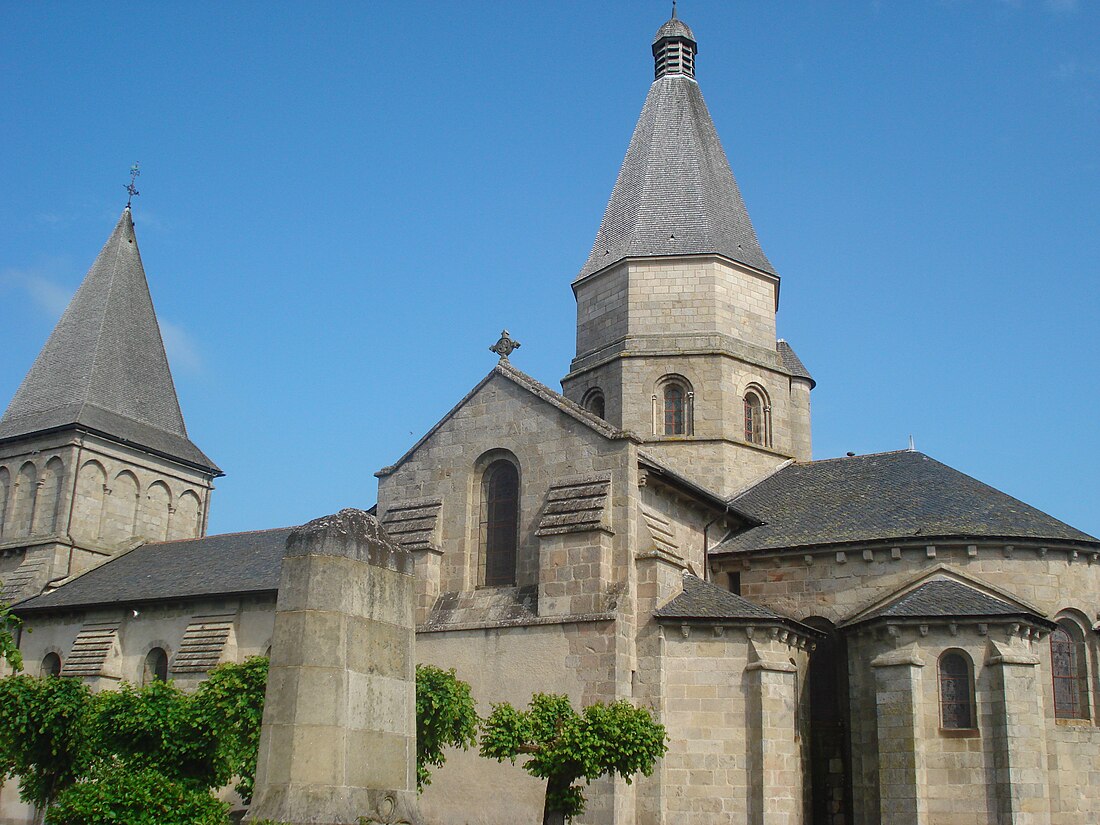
column 500, row 523
column 956, row 692
column 1067, row 659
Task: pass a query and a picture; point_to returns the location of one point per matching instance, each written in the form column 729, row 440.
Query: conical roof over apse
column 104, row 366
column 675, row 194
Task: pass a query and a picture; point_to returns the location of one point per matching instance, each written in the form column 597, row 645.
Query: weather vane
column 131, row 188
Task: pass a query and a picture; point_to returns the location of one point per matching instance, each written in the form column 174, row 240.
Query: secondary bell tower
column 676, row 303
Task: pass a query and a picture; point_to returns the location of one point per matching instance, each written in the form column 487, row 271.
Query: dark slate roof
column 675, row 27
column 103, row 366
column 703, row 600
column 212, row 566
column 675, row 194
column 886, row 496
column 792, row 363
column 945, row 598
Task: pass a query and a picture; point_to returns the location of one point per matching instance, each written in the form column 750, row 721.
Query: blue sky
column 343, row 204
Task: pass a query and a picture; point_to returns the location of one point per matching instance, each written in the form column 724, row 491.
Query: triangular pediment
column 941, row 592
column 538, row 392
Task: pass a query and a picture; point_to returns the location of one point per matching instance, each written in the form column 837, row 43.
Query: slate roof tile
column 703, row 600
column 104, row 366
column 885, row 496
column 212, row 566
column 675, row 194
column 945, row 598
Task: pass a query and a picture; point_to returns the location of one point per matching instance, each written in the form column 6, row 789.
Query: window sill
column 961, row 733
column 1073, row 723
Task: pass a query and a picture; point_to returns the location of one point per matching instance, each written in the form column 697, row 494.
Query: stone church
column 848, row 641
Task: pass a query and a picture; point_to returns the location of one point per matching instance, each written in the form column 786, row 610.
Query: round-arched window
column 156, row 666
column 956, row 692
column 51, row 665
column 500, row 523
column 594, row 403
column 1069, row 672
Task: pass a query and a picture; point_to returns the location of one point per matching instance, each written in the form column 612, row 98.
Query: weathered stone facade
column 878, row 640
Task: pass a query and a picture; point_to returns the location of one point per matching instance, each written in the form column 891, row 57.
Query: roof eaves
column 676, row 480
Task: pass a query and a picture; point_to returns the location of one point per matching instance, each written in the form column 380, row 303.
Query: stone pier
column 338, row 743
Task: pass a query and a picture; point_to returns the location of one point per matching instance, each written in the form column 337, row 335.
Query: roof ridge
column 219, row 535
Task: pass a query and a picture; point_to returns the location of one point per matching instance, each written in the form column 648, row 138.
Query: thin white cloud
column 1062, row 6
column 51, row 298
column 44, row 292
column 183, row 351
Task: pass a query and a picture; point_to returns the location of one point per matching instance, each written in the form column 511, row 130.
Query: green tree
column 564, row 746
column 114, row 793
column 9, row 626
column 158, row 727
column 45, row 727
column 231, row 702
column 445, row 717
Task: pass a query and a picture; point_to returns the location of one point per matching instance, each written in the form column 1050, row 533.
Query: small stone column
column 338, row 740
column 1019, row 737
column 902, row 775
column 775, row 764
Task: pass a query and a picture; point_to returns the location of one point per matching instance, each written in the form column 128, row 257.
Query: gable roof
column 103, row 366
column 675, row 194
column 537, row 389
column 702, row 601
column 885, row 496
column 946, row 595
column 227, row 564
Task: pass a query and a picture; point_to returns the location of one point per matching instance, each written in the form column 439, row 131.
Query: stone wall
column 121, row 495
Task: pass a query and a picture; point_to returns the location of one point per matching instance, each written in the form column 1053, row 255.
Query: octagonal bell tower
column 676, row 304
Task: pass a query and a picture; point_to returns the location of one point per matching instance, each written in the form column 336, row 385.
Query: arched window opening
column 51, row 665
column 156, row 666
column 675, row 404
column 594, row 403
column 1069, row 672
column 755, row 424
column 500, row 523
column 956, row 692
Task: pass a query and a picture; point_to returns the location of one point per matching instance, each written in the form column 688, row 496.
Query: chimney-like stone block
column 338, row 743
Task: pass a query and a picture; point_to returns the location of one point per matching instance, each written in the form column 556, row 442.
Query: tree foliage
column 115, row 793
column 445, row 717
column 153, row 754
column 157, row 728
column 563, row 746
column 45, row 727
column 9, row 626
column 231, row 701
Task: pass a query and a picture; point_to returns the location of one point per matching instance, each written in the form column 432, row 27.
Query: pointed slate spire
column 675, row 194
column 104, row 365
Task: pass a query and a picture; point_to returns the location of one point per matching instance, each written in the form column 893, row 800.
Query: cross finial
column 505, row 346
column 131, row 188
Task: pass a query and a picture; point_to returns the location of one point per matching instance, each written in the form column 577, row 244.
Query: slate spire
column 104, row 366
column 675, row 194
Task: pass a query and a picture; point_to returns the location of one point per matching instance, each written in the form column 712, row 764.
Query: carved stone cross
column 505, row 346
